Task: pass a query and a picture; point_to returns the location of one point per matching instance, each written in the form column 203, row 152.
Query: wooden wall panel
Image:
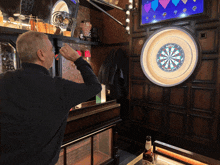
column 136, row 71
column 156, row 94
column 208, row 40
column 176, row 122
column 136, row 26
column 200, row 127
column 154, row 118
column 137, row 45
column 178, row 96
column 206, row 71
column 146, row 91
column 203, row 99
column 138, row 113
column 137, row 91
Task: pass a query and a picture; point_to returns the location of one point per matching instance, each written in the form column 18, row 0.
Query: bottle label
column 145, row 162
column 148, row 145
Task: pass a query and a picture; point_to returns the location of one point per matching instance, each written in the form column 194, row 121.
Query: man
column 34, row 106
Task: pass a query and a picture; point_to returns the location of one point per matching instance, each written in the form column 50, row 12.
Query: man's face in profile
column 49, row 54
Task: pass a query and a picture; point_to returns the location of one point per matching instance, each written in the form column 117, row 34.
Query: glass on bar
column 52, row 29
column 11, row 23
column 1, row 18
column 47, row 25
column 67, row 33
column 41, row 27
column 32, row 23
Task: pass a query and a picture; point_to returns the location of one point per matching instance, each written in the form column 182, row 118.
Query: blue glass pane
column 159, row 10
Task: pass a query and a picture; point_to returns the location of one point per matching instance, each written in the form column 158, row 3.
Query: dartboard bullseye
column 170, row 57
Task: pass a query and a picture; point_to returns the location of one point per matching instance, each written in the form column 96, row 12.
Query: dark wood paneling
column 154, row 117
column 182, row 23
column 200, row 128
column 137, row 45
column 203, row 99
column 138, row 113
column 208, row 40
column 177, row 96
column 204, row 25
column 176, row 122
column 136, row 26
column 136, row 71
column 156, row 94
column 91, row 121
column 207, row 71
column 137, row 90
column 189, row 111
column 146, row 91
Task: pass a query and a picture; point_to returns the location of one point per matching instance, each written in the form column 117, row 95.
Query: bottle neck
column 148, row 145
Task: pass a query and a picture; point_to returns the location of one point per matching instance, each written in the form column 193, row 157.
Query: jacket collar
column 35, row 67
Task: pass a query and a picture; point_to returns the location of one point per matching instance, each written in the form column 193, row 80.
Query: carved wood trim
column 136, row 23
column 181, row 23
column 199, row 25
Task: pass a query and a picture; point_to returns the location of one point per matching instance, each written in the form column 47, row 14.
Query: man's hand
column 69, row 53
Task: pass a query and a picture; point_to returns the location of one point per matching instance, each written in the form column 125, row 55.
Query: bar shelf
column 12, row 34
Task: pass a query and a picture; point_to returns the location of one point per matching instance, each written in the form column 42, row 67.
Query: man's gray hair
column 28, row 44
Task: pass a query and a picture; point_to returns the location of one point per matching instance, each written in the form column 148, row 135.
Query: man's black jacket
column 34, row 108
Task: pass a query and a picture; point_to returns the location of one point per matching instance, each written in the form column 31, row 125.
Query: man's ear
column 40, row 55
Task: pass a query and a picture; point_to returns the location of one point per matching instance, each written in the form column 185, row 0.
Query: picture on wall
column 153, row 11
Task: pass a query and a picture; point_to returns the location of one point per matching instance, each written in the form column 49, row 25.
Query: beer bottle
column 148, row 155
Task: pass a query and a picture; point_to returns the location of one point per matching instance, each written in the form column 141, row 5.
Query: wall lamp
column 127, row 10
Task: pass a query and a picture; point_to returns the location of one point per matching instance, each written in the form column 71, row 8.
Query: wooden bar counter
column 90, row 136
column 166, row 154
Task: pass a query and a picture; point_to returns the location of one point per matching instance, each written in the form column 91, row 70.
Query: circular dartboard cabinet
column 169, row 56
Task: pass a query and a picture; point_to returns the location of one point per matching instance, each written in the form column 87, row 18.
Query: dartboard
column 170, row 57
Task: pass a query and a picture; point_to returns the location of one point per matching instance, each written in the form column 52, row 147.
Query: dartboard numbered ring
column 169, row 56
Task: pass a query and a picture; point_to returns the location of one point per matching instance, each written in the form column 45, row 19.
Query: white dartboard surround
column 169, row 56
